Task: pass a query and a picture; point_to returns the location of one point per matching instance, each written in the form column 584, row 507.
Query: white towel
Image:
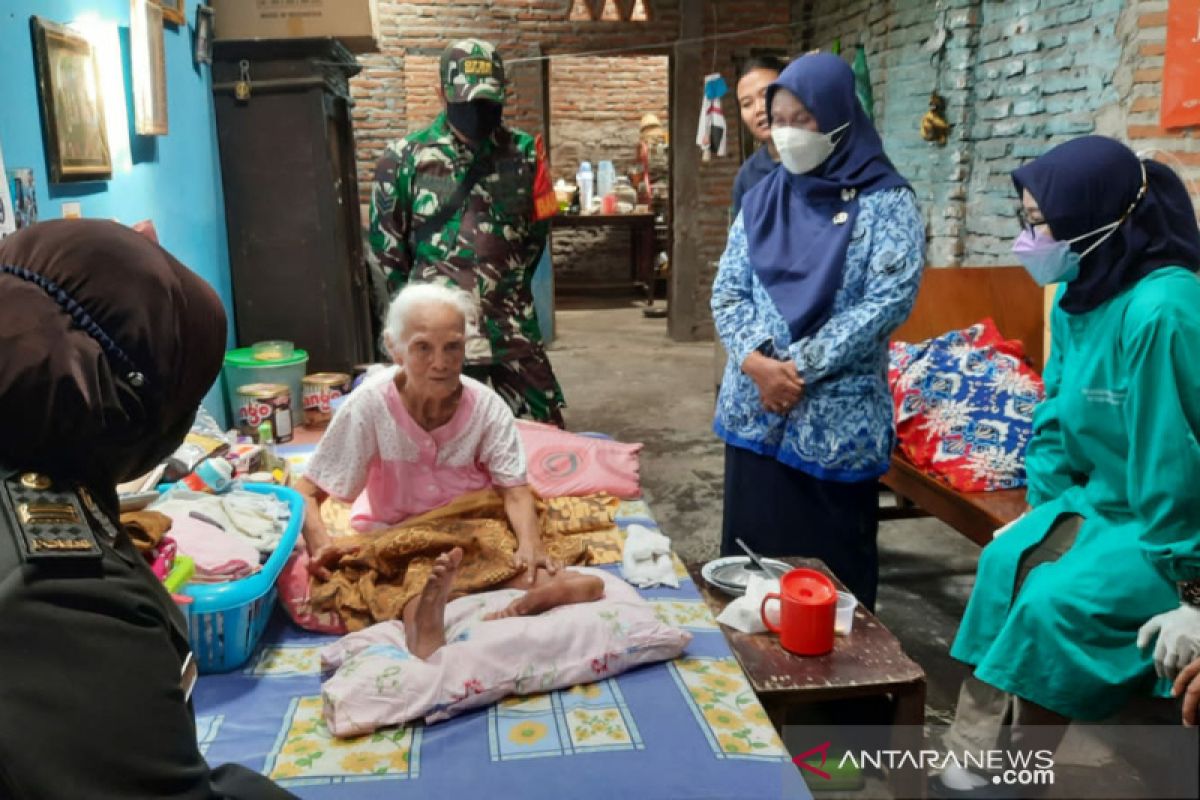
column 646, row 560
column 743, row 613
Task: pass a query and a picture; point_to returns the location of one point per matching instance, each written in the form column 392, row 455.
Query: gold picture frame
column 72, row 104
column 172, row 11
column 149, row 67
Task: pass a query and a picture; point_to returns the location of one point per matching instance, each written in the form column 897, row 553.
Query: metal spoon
column 758, row 562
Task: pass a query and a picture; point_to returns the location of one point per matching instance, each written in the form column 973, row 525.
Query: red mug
column 807, row 607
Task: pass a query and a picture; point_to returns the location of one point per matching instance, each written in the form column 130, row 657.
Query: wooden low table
column 641, row 241
column 868, row 662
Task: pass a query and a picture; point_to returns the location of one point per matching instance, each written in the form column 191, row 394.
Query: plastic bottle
column 213, row 475
column 586, row 181
column 605, row 179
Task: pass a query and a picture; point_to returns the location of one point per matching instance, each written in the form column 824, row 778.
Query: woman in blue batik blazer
column 821, row 266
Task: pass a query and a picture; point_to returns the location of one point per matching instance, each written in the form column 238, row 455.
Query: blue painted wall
column 174, row 179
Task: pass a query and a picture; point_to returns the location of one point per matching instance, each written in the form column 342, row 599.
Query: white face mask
column 801, row 150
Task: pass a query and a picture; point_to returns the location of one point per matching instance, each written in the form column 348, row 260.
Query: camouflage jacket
column 490, row 246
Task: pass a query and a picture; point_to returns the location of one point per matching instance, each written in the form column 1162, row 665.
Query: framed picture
column 204, row 34
column 149, row 68
column 172, row 10
column 72, row 105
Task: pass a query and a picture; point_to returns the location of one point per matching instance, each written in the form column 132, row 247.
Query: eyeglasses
column 1027, row 222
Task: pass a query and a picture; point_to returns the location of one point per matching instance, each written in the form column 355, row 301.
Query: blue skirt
column 781, row 511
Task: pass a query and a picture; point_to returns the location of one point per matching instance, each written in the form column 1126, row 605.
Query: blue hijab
column 1090, row 182
column 796, row 247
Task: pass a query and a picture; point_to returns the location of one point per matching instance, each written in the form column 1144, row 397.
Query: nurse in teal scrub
column 1112, row 536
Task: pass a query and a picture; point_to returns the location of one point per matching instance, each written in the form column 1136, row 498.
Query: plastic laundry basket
column 226, row 620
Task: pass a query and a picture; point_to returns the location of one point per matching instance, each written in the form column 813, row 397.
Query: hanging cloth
column 711, row 135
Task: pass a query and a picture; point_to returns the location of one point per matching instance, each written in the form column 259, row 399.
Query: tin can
column 320, row 390
column 262, row 402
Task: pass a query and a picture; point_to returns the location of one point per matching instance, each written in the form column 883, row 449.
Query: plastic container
column 843, row 622
column 626, row 195
column 226, row 620
column 587, row 187
column 272, row 350
column 242, row 368
column 606, row 179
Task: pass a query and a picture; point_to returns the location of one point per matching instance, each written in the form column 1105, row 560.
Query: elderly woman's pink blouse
column 376, row 455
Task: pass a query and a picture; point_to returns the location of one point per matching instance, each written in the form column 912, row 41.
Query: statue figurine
column 934, row 127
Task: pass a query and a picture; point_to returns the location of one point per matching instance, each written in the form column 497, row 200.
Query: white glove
column 1178, row 639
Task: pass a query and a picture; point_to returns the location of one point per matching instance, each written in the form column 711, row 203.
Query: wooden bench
column 954, row 298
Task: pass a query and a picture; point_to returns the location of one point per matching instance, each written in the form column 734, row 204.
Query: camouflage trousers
column 527, row 384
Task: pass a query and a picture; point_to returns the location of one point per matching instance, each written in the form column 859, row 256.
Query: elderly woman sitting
column 414, row 439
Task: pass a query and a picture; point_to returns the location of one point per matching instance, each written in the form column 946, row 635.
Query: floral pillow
column 377, row 683
column 964, row 407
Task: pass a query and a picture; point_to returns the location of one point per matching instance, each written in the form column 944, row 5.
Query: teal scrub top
column 1116, row 441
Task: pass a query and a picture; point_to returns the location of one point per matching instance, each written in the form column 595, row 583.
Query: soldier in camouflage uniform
column 486, row 241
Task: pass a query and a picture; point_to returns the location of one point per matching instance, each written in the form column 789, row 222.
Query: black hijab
column 108, row 345
column 1091, row 182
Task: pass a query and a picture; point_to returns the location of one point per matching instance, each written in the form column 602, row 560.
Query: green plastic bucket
column 242, row 368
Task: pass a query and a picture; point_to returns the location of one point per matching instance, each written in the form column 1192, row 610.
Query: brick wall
column 1019, row 76
column 596, row 107
column 1142, row 31
column 392, row 93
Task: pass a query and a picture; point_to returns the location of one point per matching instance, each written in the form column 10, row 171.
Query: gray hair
column 423, row 295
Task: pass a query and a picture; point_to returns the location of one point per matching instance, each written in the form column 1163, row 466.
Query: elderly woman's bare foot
column 428, row 631
column 563, row 590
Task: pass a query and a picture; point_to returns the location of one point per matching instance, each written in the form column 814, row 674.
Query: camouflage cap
column 472, row 70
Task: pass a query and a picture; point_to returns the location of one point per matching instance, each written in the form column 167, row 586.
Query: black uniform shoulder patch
column 48, row 520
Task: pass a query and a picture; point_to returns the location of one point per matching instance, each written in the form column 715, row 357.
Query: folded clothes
column 145, row 528
column 258, row 519
column 219, row 556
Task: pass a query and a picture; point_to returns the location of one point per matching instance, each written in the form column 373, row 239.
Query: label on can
column 262, row 402
column 319, row 392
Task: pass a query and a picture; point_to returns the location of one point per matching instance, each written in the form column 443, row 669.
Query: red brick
column 1157, row 19
column 1152, row 75
column 1147, row 132
column 1144, row 104
column 1187, row 159
column 1152, row 49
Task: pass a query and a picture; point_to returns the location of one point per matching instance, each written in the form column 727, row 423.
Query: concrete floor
column 621, row 375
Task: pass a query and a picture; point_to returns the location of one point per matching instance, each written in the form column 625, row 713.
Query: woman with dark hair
column 821, row 266
column 756, row 76
column 109, row 345
column 1052, row 627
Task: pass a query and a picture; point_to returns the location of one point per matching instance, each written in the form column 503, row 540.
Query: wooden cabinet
column 291, row 197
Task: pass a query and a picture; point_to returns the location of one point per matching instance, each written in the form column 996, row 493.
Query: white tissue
column 646, row 559
column 743, row 613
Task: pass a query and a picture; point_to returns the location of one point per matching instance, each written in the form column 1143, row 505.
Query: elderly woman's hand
column 328, row 556
column 779, row 383
column 530, row 556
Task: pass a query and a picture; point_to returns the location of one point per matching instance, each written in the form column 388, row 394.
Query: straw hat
column 650, row 122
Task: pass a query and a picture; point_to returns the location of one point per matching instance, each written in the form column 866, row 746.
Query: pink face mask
column 1046, row 260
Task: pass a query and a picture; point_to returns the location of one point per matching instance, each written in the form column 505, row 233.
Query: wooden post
column 686, row 76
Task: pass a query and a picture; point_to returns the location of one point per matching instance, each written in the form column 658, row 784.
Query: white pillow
column 377, row 682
